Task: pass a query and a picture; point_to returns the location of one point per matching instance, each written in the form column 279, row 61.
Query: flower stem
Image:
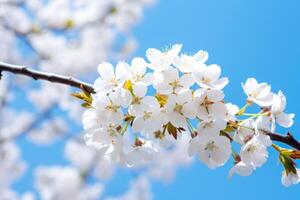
column 190, row 126
column 252, row 116
column 125, row 127
column 243, row 109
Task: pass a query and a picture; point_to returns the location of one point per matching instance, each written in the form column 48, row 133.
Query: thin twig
column 38, row 75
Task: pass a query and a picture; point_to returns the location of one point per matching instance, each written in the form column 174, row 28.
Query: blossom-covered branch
column 5, row 67
column 288, row 139
column 140, row 106
column 187, row 102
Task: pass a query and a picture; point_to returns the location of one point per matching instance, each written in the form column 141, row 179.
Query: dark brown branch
column 288, row 139
column 38, row 75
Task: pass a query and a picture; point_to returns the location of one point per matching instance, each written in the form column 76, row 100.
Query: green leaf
column 288, row 164
column 84, row 96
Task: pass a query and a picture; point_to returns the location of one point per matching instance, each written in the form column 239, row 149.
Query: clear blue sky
column 258, row 38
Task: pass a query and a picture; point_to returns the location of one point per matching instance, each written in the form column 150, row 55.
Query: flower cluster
column 141, row 106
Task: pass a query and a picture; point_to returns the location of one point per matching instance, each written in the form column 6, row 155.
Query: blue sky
column 258, row 38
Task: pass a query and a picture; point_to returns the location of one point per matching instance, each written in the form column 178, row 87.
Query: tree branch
column 38, row 75
column 288, row 139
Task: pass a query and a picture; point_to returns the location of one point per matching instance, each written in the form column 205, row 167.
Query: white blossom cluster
column 140, row 108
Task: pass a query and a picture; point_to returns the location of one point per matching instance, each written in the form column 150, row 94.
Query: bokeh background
column 247, row 38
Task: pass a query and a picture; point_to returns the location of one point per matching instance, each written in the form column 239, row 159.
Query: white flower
column 108, row 141
column 278, row 114
column 117, row 149
column 263, row 123
column 232, row 110
column 160, row 61
column 259, row 93
column 141, row 154
column 254, row 152
column 213, row 150
column 102, row 137
column 111, row 78
column 168, row 81
column 138, row 70
column 179, row 107
column 209, row 104
column 290, row 178
column 148, row 119
column 211, row 126
column 209, row 77
column 241, row 169
column 107, row 108
column 139, row 91
column 188, row 64
column 245, row 132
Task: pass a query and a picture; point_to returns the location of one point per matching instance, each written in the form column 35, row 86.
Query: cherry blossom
column 161, row 60
column 290, row 178
column 138, row 72
column 241, row 169
column 141, row 154
column 209, row 77
column 188, row 64
column 255, row 152
column 277, row 109
column 259, row 93
column 150, row 118
column 168, row 81
column 111, row 78
column 213, row 150
column 179, row 107
column 209, row 104
column 245, row 132
column 211, row 126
